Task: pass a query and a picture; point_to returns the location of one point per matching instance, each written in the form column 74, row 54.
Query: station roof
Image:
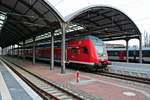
column 23, row 19
column 104, row 22
column 27, row 18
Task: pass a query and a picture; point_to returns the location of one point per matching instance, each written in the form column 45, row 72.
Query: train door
column 84, row 56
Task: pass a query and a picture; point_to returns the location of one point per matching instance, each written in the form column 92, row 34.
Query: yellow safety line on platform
column 4, row 90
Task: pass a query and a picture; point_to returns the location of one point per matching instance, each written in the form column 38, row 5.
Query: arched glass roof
column 25, row 19
column 104, row 22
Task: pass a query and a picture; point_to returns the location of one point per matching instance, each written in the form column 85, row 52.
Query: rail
column 125, row 77
column 47, row 90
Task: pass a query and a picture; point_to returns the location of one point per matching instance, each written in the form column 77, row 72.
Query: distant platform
column 134, row 69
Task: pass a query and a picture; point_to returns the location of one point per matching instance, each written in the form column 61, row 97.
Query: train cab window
column 85, row 50
column 115, row 53
column 74, row 50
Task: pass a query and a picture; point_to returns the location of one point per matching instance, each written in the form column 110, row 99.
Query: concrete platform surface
column 105, row 87
column 13, row 88
column 132, row 66
column 133, row 69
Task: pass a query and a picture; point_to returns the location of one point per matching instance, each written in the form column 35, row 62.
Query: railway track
column 125, row 77
column 47, row 90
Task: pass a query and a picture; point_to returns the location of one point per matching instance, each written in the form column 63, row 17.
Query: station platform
column 99, row 86
column 13, row 88
column 135, row 66
column 132, row 69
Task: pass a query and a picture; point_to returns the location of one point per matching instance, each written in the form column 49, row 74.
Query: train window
column 74, row 50
column 116, row 53
column 84, row 50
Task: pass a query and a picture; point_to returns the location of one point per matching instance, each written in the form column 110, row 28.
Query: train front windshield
column 100, row 50
column 99, row 46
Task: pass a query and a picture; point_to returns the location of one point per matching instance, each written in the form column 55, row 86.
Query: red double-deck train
column 88, row 50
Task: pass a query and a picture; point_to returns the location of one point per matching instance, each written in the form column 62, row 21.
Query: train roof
column 90, row 37
column 117, row 49
column 93, row 38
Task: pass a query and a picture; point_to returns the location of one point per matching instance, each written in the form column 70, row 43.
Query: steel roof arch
column 70, row 17
column 13, row 12
column 82, row 10
column 79, row 12
column 61, row 18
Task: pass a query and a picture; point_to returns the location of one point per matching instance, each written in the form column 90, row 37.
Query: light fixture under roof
column 70, row 28
column 3, row 18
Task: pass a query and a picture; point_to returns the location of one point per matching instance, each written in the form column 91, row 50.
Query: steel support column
column 127, row 50
column 18, row 51
column 33, row 58
column 12, row 50
column 6, row 50
column 52, row 51
column 9, row 50
column 63, row 53
column 2, row 51
column 140, row 48
column 24, row 57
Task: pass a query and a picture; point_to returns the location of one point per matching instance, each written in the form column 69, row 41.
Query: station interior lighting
column 3, row 18
column 70, row 28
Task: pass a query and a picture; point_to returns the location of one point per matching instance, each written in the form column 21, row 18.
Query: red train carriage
column 88, row 50
column 116, row 54
column 119, row 54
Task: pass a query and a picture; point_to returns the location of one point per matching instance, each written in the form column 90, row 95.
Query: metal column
column 63, row 53
column 140, row 48
column 127, row 50
column 2, row 51
column 18, row 51
column 33, row 51
column 52, row 51
column 6, row 50
column 12, row 50
column 9, row 50
column 24, row 50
